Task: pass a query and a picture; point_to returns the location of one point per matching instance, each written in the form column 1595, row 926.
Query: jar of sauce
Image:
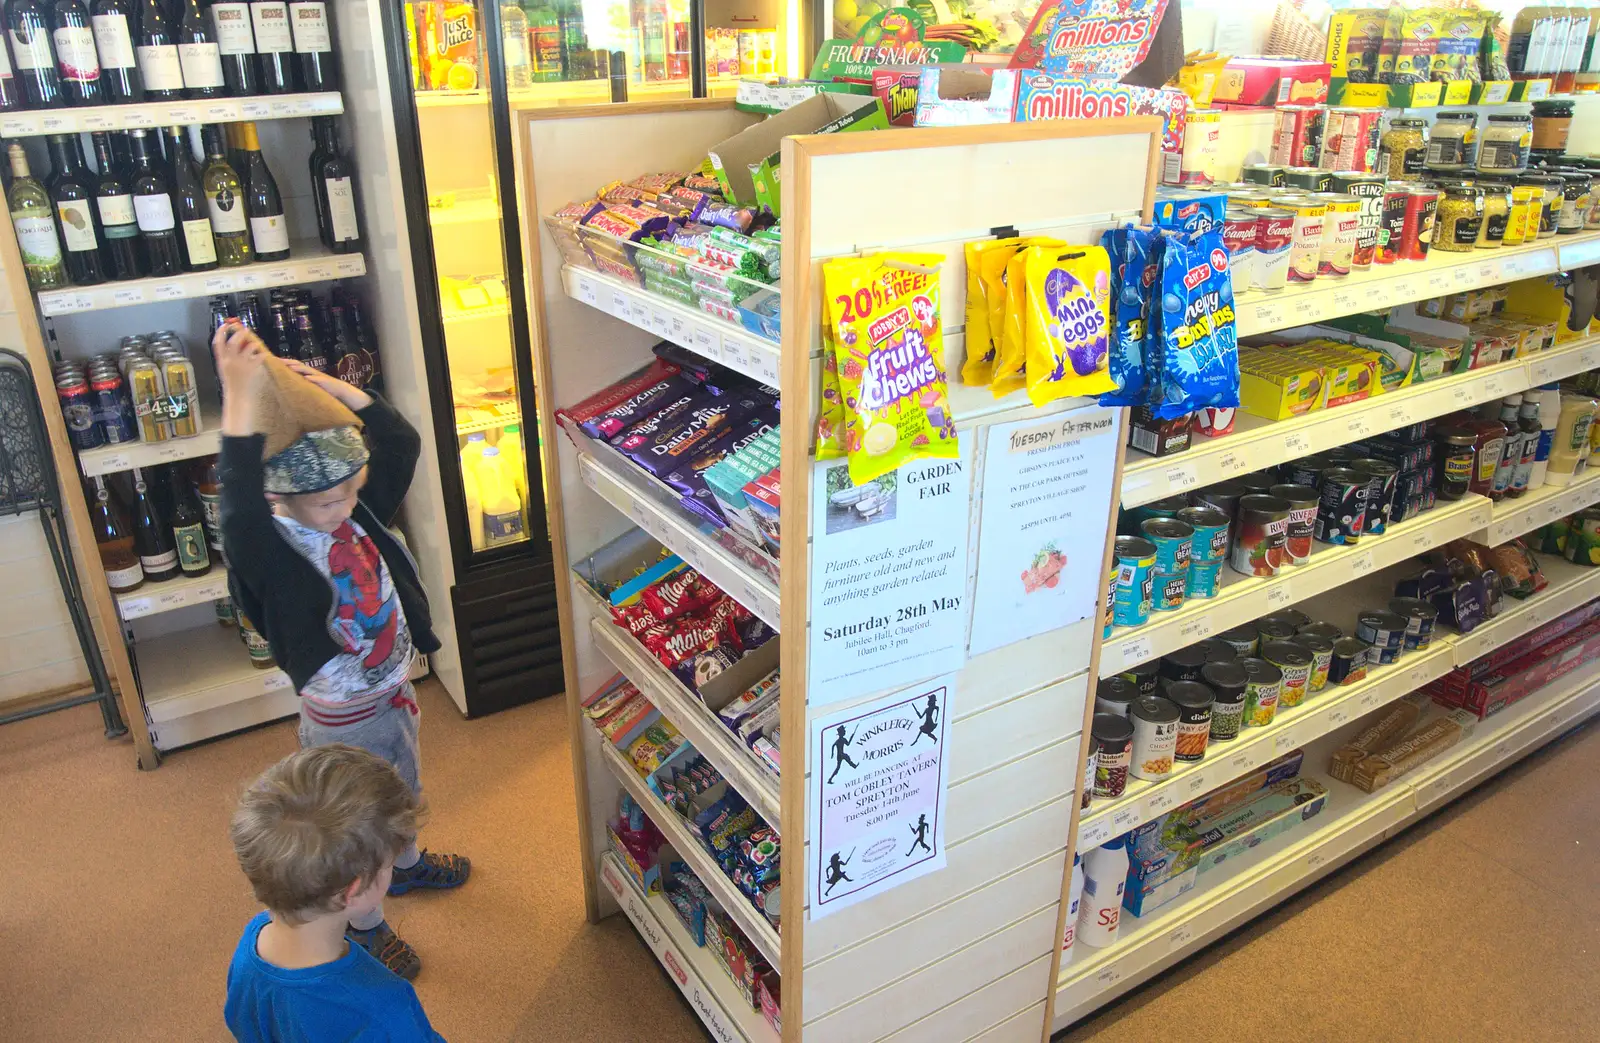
column 1489, row 443
column 1460, row 217
column 1458, row 460
column 1569, row 449
column 1505, row 144
column 1453, row 143
column 1496, row 212
column 1576, row 186
column 1403, row 149
column 1552, row 120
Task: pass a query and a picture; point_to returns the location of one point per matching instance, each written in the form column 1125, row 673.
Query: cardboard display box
column 753, row 152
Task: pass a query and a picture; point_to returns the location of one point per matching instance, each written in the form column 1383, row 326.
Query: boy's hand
column 349, row 394
column 240, row 357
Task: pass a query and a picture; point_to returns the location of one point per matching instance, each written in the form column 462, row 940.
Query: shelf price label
column 1094, row 834
column 766, row 360
column 1284, row 742
column 1361, row 564
column 678, row 330
column 1307, row 310
column 707, row 343
column 219, row 284
column 1180, row 937
column 1123, row 819
column 1377, row 296
column 735, row 355
column 1181, row 477
column 619, row 306
column 1232, row 464
column 660, row 324
column 133, row 608
column 1197, row 629
column 1297, row 444
column 256, row 110
column 1268, row 317
column 350, row 266
column 1278, row 595
column 183, row 114
column 1136, row 650
column 1358, row 427
column 1159, row 803
column 54, row 124
column 639, row 314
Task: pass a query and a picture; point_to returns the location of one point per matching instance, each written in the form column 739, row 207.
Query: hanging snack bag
column 978, row 368
column 1011, row 356
column 1068, row 327
column 889, row 344
column 1199, row 343
column 830, row 418
column 1132, row 251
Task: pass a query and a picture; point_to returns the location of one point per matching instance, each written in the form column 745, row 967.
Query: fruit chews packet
column 1011, row 355
column 1068, row 327
column 978, row 367
column 884, row 309
column 830, row 418
column 1199, row 343
column 1135, row 266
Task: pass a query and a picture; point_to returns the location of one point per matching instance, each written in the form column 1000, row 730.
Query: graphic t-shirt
column 366, row 618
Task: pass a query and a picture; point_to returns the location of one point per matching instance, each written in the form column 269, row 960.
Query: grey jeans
column 391, row 733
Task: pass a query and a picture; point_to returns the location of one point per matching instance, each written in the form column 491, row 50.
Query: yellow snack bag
column 1068, row 322
column 830, row 418
column 978, row 368
column 1010, row 364
column 889, row 344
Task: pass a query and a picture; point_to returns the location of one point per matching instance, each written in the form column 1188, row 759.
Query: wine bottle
column 33, row 219
column 225, row 202
column 73, row 193
column 158, row 555
column 313, row 45
column 28, row 21
column 194, row 219
column 113, row 38
column 236, row 43
column 10, row 91
column 152, row 205
column 76, row 59
column 269, row 231
column 188, row 525
column 157, row 54
column 114, row 540
column 303, row 339
column 333, row 182
column 114, row 200
column 198, row 55
column 269, row 19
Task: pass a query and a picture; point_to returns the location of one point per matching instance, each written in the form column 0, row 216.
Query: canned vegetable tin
column 1321, row 649
column 1582, row 545
column 1115, row 695
column 1243, row 639
column 1155, row 736
column 1183, row 664
column 1349, row 663
column 1262, row 687
column 1173, row 540
column 1340, row 228
column 1291, row 616
column 1305, row 246
column 1295, row 664
column 1342, row 510
column 1194, row 701
column 1258, row 535
column 1146, row 676
column 1210, row 547
column 1321, row 629
column 1385, row 632
column 1227, row 684
column 1420, row 616
column 1302, row 524
column 1113, row 745
column 1136, row 561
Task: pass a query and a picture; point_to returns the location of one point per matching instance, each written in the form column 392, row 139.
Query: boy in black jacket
column 306, row 502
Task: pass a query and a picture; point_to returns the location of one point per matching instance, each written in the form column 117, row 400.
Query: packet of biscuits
column 889, row 347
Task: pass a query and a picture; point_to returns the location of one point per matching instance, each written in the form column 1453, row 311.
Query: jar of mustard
column 1504, row 149
column 1575, row 189
column 1548, row 206
column 1403, row 149
column 1453, row 142
column 1460, row 217
column 1496, row 213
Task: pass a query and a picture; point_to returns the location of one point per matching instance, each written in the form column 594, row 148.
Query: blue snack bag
column 1133, row 273
column 1198, row 348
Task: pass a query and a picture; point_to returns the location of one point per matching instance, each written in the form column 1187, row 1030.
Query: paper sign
column 879, row 772
column 888, row 573
column 1047, row 487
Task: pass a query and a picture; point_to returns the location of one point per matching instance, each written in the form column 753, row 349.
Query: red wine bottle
column 113, row 38
column 76, row 58
column 28, row 22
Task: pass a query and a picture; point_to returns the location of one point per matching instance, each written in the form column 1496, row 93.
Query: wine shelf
column 109, row 459
column 154, row 598
column 309, row 262
column 167, row 113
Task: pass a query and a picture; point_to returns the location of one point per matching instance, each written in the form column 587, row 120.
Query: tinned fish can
column 1369, row 189
column 1349, row 663
column 1262, row 687
column 1382, row 477
column 1385, row 632
column 1297, row 135
column 1342, row 508
column 1295, row 664
column 1227, row 684
column 1416, row 233
column 1350, row 141
column 1302, row 524
column 1274, row 240
column 1258, row 535
column 1340, row 226
column 1420, row 616
column 1391, row 222
column 1321, row 649
column 1239, row 238
column 1305, row 247
column 1136, row 562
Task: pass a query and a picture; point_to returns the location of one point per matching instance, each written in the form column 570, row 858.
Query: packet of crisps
column 884, row 309
column 978, row 368
column 830, row 418
column 1068, row 331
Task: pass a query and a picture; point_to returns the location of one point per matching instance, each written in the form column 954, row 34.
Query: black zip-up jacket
column 288, row 600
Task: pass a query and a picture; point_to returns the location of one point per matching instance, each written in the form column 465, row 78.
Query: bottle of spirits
column 33, row 219
column 72, row 189
column 152, row 206
column 236, row 43
column 113, row 39
column 194, row 219
column 198, row 55
column 312, row 23
column 158, row 555
column 76, row 59
column 114, row 539
column 118, row 220
column 157, row 54
column 188, row 525
column 28, row 22
column 269, row 231
column 269, row 19
column 333, row 182
column 225, row 202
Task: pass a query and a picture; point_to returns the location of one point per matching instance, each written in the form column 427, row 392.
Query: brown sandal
column 388, row 949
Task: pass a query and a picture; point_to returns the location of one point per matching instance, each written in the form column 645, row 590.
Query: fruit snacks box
column 738, row 160
column 1043, row 96
column 1269, row 82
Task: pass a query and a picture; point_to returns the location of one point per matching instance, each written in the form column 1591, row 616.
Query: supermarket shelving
column 514, row 416
column 155, row 114
column 309, row 262
column 155, row 598
column 755, row 926
column 697, row 973
column 109, row 459
column 689, row 715
column 1244, row 598
column 1539, row 507
column 202, row 670
column 1352, row 823
column 705, row 335
column 1256, row 444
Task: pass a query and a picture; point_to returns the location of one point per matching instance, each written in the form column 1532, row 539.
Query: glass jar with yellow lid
column 1496, row 212
column 1460, row 217
column 1403, row 149
column 1453, row 142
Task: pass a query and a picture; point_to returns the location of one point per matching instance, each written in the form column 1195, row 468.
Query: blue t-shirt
column 354, row 999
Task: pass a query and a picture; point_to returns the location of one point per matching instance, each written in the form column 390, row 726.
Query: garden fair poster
column 878, row 777
column 1041, row 540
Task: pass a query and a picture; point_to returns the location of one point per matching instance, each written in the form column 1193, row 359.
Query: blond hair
column 317, row 821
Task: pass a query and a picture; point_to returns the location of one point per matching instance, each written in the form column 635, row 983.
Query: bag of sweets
column 1010, row 331
column 889, row 343
column 830, row 417
column 1198, row 348
column 1135, row 265
column 983, row 329
column 1068, row 328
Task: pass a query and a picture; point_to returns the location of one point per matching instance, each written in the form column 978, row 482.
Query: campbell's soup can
column 1350, row 140
column 1202, row 133
column 1368, row 188
column 1339, row 230
column 1297, row 135
column 1392, row 222
column 1416, row 235
column 1305, row 242
column 1274, row 235
column 1239, row 236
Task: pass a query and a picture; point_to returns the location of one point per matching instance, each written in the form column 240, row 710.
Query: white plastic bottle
column 1105, row 873
column 469, row 488
column 497, row 493
column 1549, row 399
column 1074, row 901
column 472, row 452
column 513, row 458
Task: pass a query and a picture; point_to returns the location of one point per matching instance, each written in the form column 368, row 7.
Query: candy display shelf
column 309, row 262
column 1352, row 822
column 755, row 926
column 1256, row 444
column 1539, row 507
column 154, row 598
column 689, row 715
column 623, row 486
column 109, row 459
column 696, row 971
column 155, row 114
column 1244, row 598
column 193, row 679
column 705, row 335
column 1386, row 285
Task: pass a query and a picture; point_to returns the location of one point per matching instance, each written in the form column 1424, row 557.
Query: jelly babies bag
column 1198, row 344
column 889, row 344
column 1068, row 327
column 1135, row 266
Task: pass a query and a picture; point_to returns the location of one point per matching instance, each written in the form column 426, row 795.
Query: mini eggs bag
column 884, row 309
column 1068, row 322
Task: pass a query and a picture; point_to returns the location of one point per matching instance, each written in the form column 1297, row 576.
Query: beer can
column 1274, row 234
column 1239, row 238
column 77, row 409
column 1339, row 233
column 1392, row 222
column 149, row 391
column 168, row 337
column 1308, row 179
column 1297, row 135
column 1350, row 141
column 1265, row 174
column 1416, row 235
column 1369, row 189
column 183, row 398
column 1305, row 245
column 112, row 407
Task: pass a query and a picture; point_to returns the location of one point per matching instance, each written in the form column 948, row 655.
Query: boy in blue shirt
column 317, row 835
